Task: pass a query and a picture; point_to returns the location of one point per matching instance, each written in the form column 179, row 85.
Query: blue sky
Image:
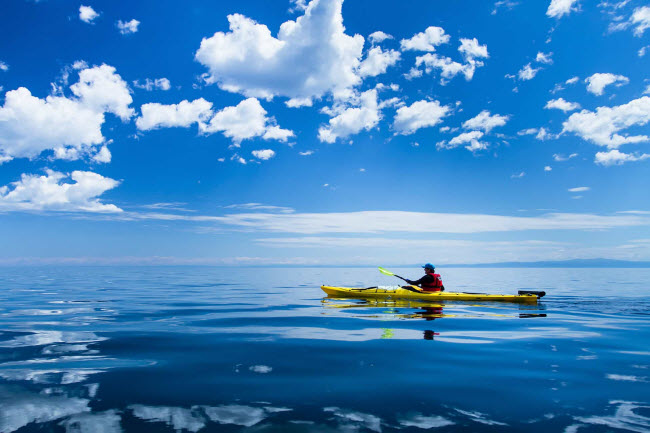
column 327, row 132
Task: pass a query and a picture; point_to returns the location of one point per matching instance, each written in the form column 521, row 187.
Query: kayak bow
column 414, row 292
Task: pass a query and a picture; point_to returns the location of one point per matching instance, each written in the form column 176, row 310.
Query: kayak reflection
column 396, row 309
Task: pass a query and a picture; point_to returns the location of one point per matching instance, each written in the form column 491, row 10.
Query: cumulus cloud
column 264, row 155
column 352, row 120
column 602, row 127
column 50, row 193
column 579, row 189
column 545, row 58
column 426, row 41
column 127, row 27
column 87, row 14
column 485, row 121
column 527, row 72
column 378, row 61
column 310, row 57
column 420, row 114
column 69, row 126
column 615, row 157
column 149, row 85
column 596, row 83
column 3, row 66
column 379, row 37
column 183, row 114
column 448, row 67
column 547, row 168
column 471, row 49
column 472, row 138
column 244, row 121
column 559, row 8
column 561, row 104
column 101, row 89
column 641, row 19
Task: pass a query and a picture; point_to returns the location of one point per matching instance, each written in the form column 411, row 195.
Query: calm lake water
column 163, row 349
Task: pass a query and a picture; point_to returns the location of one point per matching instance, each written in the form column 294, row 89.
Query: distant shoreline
column 577, row 263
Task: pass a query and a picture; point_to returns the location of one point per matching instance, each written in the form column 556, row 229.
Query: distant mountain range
column 577, row 263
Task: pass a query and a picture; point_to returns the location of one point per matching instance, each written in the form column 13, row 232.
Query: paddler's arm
column 424, row 279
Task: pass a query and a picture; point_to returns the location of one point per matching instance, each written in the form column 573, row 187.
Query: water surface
column 140, row 349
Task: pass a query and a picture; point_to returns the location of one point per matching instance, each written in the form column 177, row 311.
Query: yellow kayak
column 414, row 292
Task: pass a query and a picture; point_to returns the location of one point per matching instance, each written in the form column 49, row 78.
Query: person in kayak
column 430, row 282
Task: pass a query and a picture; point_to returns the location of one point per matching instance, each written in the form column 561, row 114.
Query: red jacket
column 433, row 286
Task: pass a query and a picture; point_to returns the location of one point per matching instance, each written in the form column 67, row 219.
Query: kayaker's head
column 429, row 268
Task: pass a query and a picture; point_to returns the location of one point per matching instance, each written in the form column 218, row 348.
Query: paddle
column 390, row 274
column 409, row 287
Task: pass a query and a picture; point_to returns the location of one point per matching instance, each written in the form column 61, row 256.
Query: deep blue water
column 148, row 349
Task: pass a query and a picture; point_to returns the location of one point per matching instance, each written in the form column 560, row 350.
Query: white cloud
column 527, row 72
column 579, row 189
column 183, row 114
column 596, row 83
column 471, row 137
column 69, row 126
column 103, row 156
column 529, row 131
column 352, row 120
column 298, row 5
column 379, row 37
column 559, row 8
column 306, row 153
column 310, row 57
column 547, row 168
column 244, row 121
column 518, row 175
column 51, row 193
column 426, row 41
column 572, row 80
column 413, row 73
column 417, row 222
column 87, row 14
column 545, row 58
column 449, row 68
column 561, row 104
column 3, row 66
column 602, row 127
column 615, row 157
column 149, row 85
column 238, row 158
column 561, row 158
column 641, row 19
column 128, row 27
column 420, row 114
column 378, row 61
column 101, row 89
column 471, row 49
column 643, row 50
column 543, row 134
column 264, row 155
column 485, row 121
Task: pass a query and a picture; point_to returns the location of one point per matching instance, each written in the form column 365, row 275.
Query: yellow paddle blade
column 385, row 272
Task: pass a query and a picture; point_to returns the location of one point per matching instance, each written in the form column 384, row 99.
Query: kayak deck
column 415, row 293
